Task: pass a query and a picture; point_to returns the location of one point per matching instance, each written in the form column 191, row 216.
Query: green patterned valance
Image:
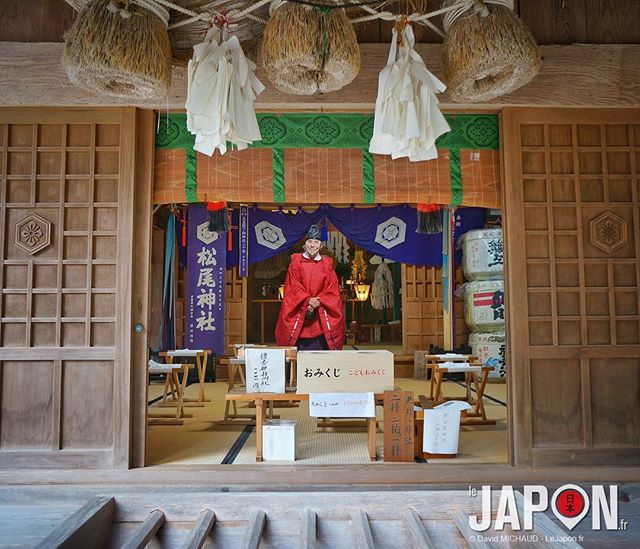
column 335, row 131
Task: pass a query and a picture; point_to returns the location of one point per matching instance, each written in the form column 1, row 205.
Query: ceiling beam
column 572, row 76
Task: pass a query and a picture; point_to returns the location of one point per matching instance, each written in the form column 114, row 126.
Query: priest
column 311, row 316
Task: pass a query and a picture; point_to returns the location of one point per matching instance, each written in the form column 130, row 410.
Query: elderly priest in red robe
column 311, row 316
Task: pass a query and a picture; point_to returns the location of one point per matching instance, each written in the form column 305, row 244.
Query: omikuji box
column 279, row 440
column 345, row 371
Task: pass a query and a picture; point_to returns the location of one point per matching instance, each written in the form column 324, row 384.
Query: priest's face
column 312, row 246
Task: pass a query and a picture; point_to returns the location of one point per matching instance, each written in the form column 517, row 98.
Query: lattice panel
column 236, row 308
column 581, row 220
column 59, row 220
column 422, row 309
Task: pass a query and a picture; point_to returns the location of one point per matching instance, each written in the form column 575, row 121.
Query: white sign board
column 345, row 371
column 442, row 427
column 342, row 405
column 265, row 370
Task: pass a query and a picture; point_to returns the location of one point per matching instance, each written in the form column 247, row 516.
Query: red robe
column 309, row 278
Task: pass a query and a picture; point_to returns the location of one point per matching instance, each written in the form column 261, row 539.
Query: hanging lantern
column 488, row 51
column 307, row 50
column 119, row 48
column 362, row 291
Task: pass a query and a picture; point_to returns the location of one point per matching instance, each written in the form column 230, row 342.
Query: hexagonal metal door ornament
column 391, row 232
column 269, row 235
column 204, row 235
column 608, row 232
column 32, row 234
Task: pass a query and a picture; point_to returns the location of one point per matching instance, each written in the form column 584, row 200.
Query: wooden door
column 66, row 218
column 235, row 309
column 422, row 304
column 572, row 284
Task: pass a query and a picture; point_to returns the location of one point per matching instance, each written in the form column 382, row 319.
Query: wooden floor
column 93, row 516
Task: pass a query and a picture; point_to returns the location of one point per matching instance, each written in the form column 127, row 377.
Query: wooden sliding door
column 66, row 241
column 572, row 242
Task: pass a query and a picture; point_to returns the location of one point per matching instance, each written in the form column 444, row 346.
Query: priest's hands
column 314, row 303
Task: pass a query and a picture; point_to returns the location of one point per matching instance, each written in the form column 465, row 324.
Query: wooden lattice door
column 572, row 284
column 66, row 211
column 422, row 309
column 235, row 308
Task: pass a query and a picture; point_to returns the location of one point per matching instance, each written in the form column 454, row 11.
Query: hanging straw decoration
column 222, row 88
column 487, row 52
column 429, row 219
column 120, row 48
column 307, row 50
column 407, row 119
column 382, row 288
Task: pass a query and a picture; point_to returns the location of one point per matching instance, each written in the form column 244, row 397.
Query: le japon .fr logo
column 569, row 503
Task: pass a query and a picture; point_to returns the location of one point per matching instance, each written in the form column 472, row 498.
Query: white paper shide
column 407, row 119
column 222, row 88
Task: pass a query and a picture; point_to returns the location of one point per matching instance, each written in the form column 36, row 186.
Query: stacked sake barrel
column 483, row 266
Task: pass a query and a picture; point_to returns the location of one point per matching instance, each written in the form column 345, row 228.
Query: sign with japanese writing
column 342, row 405
column 398, row 426
column 265, row 370
column 345, row 371
column 205, row 300
column 442, row 427
column 244, row 241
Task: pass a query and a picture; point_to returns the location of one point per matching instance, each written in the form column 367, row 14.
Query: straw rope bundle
column 306, row 50
column 119, row 49
column 487, row 52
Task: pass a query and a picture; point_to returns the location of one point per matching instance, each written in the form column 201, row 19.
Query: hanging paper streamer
column 222, row 88
column 407, row 118
column 244, row 240
column 206, row 283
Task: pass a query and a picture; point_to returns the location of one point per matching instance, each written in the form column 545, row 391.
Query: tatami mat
column 201, row 441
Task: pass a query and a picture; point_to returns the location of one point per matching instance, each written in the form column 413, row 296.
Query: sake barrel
column 484, row 305
column 491, row 351
column 482, row 254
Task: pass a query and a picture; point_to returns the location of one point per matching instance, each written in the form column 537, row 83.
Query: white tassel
column 222, row 88
column 407, row 118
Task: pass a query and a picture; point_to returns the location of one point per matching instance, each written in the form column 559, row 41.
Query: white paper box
column 442, row 427
column 482, row 254
column 279, row 440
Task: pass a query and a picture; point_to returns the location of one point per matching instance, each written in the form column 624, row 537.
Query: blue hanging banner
column 206, row 282
column 244, row 240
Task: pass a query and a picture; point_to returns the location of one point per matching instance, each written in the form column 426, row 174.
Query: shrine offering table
column 200, row 356
column 261, row 399
column 475, row 379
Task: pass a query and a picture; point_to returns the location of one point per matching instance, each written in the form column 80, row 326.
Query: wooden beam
column 362, row 530
column 201, row 529
column 417, row 533
column 308, row 530
column 254, row 530
column 146, row 531
column 577, row 75
column 87, row 528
